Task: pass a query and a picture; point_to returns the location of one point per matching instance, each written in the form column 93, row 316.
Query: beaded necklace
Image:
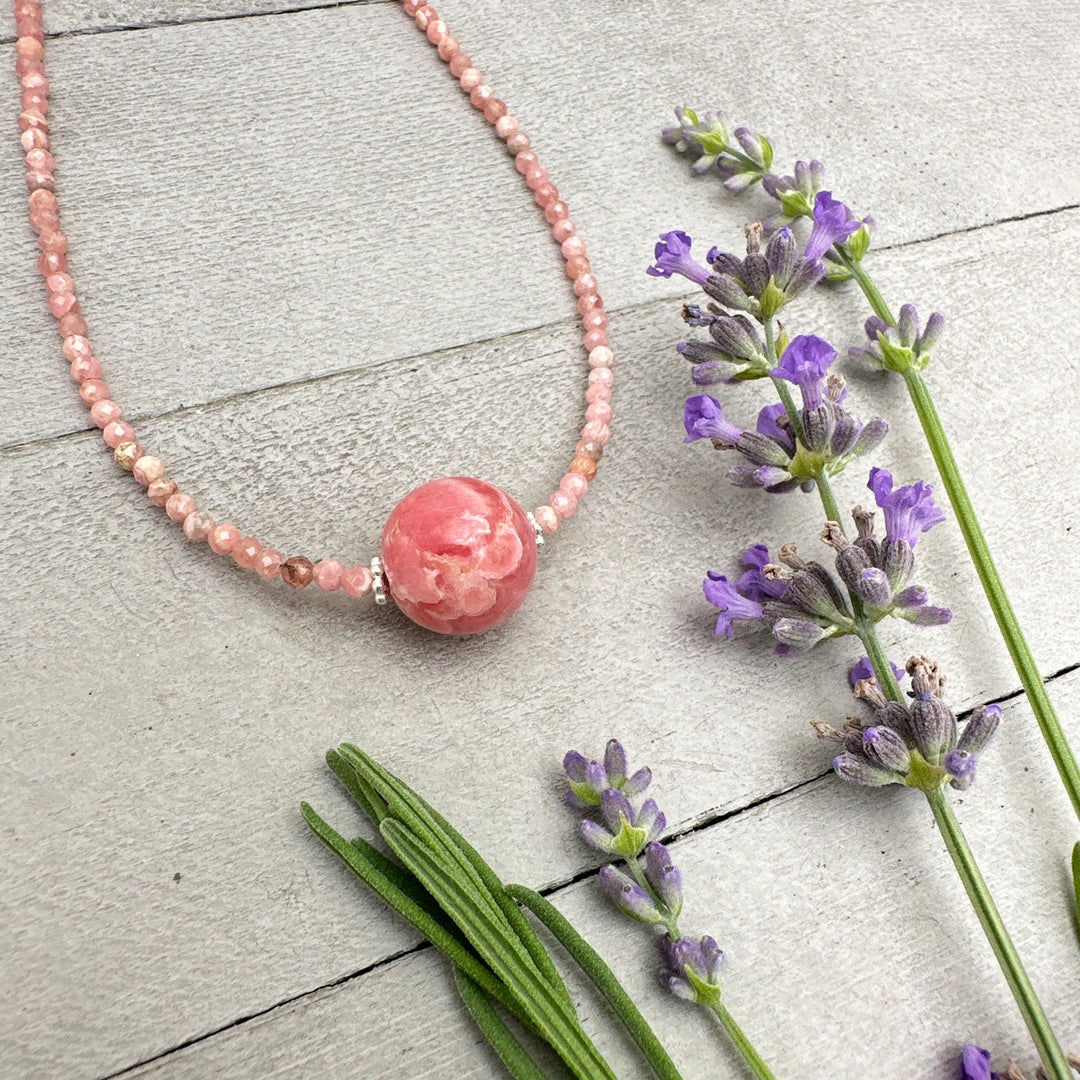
column 458, row 554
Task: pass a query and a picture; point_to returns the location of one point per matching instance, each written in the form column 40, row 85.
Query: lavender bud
column 712, row 372
column 934, row 727
column 817, row 424
column 844, row 434
column 677, row 985
column 859, row 770
column 615, row 763
column 615, row 809
column 761, row 450
column 743, row 476
column 981, row 729
column 874, row 326
column 926, row 615
column 664, row 877
column 627, row 895
column 755, row 274
column 807, row 590
column 873, row 587
column 931, row 332
column 597, row 837
column 637, row 784
column 781, row 255
column 960, row 765
column 725, row 264
column 797, row 633
column 870, row 437
column 851, row 562
column 735, row 334
column 899, row 561
column 724, row 290
column 752, row 145
column 885, row 747
column 908, row 325
column 894, row 715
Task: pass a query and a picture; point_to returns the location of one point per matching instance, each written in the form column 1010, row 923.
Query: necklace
column 458, row 554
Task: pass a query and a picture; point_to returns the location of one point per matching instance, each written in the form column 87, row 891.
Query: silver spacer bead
column 378, row 581
column 536, row 528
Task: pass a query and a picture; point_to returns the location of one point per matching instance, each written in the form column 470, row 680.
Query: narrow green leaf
column 514, row 1056
column 363, row 793
column 1076, row 881
column 433, row 930
column 603, row 978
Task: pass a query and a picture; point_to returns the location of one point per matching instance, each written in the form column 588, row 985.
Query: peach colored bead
column 34, row 139
column 126, row 454
column 117, row 432
column 577, row 267
column 32, row 101
column 60, row 283
column 470, row 79
column 160, row 491
column 518, row 142
column 268, row 564
column 71, row 324
column 505, row 126
column 545, row 193
column 76, row 346
column 51, row 262
column 356, row 581
column 44, row 220
column 601, row 357
column 547, row 519
column 585, row 285
column 459, row 62
column 39, row 181
column 588, row 448
column 448, row 49
column 53, row 241
column 40, row 160
column 26, row 28
column 297, row 572
column 436, row 30
column 223, row 538
column 555, row 211
column 328, row 574
column 481, row 95
column 536, row 176
column 573, row 246
column 43, row 200
column 32, row 118
column 589, row 301
column 601, row 376
column 410, row 7
column 598, row 393
column 563, row 229
column 525, row 162
column 596, row 432
column 594, row 339
column 36, row 82
column 564, row 505
column 179, row 505
column 596, row 319
column 425, row 13
column 574, row 484
column 85, row 367
column 29, row 48
column 61, row 303
column 105, row 412
column 584, row 466
column 148, row 469
column 245, row 551
column 25, row 66
column 599, row 410
column 197, row 526
column 92, row 391
column 494, row 110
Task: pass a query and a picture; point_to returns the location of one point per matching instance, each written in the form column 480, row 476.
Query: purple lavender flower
column 901, row 347
column 703, row 418
column 627, row 895
column 754, row 585
column 625, row 831
column 805, row 363
column 863, row 669
column 663, row 877
column 975, row 1063
column 769, row 426
column 734, row 607
column 672, row 256
column 833, row 224
column 589, row 779
column 693, row 969
column 909, row 510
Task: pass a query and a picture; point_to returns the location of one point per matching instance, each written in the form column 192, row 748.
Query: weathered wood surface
column 306, row 339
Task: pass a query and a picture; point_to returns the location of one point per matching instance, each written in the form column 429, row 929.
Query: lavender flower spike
column 703, row 418
column 805, row 363
column 909, row 511
column 833, row 224
column 672, row 256
column 589, row 779
column 624, row 831
column 692, row 969
column 734, row 607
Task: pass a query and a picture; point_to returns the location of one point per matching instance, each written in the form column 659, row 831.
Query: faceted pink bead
column 223, row 538
column 449, row 48
column 179, row 505
column 328, row 574
column 556, row 211
column 35, row 82
column 40, row 161
column 38, row 181
column 481, row 95
column 536, row 176
column 105, row 412
column 563, row 229
column 459, row 555
column 85, row 367
column 505, row 126
column 596, row 432
column 436, row 30
column 598, row 393
column 268, row 563
column 71, row 324
column 245, row 551
column 494, row 110
column 356, row 581
column 92, row 391
column 53, row 241
column 525, row 162
column 585, row 284
column 595, row 320
column 545, row 193
column 148, row 469
column 599, row 410
column 410, row 6
column 43, row 200
column 160, row 491
column 76, row 346
column 459, row 62
column 601, row 357
column 572, row 246
column 33, row 118
column 33, row 139
column 61, row 303
column 574, row 484
column 30, row 48
column 564, row 505
column 601, row 376
column 518, row 142
column 547, row 519
column 577, row 267
column 470, row 79
column 594, row 339
column 425, row 13
column 60, row 283
column 197, row 526
column 51, row 262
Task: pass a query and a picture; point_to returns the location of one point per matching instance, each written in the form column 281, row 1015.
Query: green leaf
column 1076, row 881
column 603, row 978
column 766, row 152
column 513, row 1054
column 858, row 243
column 835, row 273
column 363, row 793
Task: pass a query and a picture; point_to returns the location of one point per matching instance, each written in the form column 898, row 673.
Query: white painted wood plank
column 852, row 951
column 159, row 699
column 263, row 200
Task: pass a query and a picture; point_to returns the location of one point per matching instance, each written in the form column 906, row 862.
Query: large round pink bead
column 459, row 555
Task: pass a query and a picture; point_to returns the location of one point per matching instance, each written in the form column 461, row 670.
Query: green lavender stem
column 1023, row 661
column 1050, row 1053
column 742, row 1043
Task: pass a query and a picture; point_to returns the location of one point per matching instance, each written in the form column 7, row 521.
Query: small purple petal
column 805, row 363
column 833, row 224
column 672, row 256
column 767, row 425
column 732, row 604
column 703, row 418
column 638, row 783
column 909, row 511
column 863, row 669
column 974, row 1063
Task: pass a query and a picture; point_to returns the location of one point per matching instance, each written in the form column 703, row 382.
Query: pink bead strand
column 119, row 435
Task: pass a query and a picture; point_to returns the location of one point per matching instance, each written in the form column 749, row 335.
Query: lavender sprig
column 650, row 889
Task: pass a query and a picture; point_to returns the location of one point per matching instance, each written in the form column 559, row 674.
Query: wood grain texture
column 851, row 950
column 260, row 201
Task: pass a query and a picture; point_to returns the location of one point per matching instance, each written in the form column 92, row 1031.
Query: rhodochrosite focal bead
column 459, row 555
